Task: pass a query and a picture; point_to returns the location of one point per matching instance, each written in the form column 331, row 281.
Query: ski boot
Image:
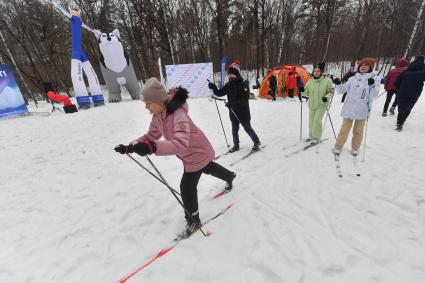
column 234, row 148
column 229, row 184
column 190, row 228
column 336, row 151
column 392, row 110
column 399, row 128
column 256, row 146
column 384, row 114
column 354, row 152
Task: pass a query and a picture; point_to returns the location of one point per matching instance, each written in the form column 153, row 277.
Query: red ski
column 174, row 243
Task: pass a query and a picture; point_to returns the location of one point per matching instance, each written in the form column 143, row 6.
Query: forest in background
column 261, row 34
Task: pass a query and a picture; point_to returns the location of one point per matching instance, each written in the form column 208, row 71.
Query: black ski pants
column 401, row 117
column 390, row 94
column 189, row 186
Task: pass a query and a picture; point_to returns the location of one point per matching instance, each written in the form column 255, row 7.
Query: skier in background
column 238, row 104
column 318, row 90
column 361, row 89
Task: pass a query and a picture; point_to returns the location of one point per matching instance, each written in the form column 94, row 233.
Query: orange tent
column 281, row 73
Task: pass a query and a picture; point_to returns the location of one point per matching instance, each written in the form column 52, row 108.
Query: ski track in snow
column 72, row 210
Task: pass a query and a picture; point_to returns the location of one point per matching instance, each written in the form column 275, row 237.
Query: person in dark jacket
column 400, row 66
column 238, row 104
column 409, row 85
column 351, row 72
column 272, row 86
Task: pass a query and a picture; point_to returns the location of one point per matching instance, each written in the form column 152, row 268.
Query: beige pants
column 345, row 130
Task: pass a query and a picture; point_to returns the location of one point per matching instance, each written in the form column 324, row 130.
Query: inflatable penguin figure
column 80, row 63
column 116, row 66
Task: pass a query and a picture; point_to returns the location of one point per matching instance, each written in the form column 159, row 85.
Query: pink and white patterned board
column 193, row 77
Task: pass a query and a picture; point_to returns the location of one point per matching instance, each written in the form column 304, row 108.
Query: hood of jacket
column 416, row 65
column 177, row 99
column 401, row 62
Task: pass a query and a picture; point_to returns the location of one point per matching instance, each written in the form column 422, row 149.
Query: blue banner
column 223, row 70
column 11, row 100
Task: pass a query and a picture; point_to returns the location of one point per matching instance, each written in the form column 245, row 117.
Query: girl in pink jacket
column 181, row 138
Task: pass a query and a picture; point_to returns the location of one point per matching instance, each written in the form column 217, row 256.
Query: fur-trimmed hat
column 369, row 62
column 153, row 91
column 234, row 68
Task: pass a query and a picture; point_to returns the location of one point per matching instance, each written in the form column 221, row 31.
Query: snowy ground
column 72, row 210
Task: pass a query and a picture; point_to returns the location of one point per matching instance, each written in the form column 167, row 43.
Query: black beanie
column 234, row 72
column 321, row 66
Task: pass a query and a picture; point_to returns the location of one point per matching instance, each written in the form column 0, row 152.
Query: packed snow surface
column 73, row 210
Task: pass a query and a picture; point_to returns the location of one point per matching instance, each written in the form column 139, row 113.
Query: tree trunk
column 412, row 36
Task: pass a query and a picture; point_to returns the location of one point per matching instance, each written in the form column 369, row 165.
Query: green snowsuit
column 316, row 89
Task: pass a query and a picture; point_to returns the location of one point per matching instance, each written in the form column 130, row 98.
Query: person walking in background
column 291, row 82
column 272, row 86
column 409, row 85
column 400, row 66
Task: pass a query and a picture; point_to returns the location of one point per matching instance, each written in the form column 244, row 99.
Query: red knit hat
column 368, row 61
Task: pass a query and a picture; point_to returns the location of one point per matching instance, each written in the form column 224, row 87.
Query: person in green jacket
column 319, row 90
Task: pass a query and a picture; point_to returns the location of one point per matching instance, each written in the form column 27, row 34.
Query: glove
column 324, row 99
column 337, row 81
column 123, row 149
column 370, row 81
column 211, row 86
column 144, row 148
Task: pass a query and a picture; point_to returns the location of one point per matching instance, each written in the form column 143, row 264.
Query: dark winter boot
column 229, row 184
column 392, row 110
column 399, row 128
column 384, row 114
column 234, row 148
column 191, row 227
column 256, row 146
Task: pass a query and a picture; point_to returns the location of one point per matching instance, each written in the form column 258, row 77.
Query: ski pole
column 365, row 140
column 231, row 109
column 367, row 123
column 221, row 121
column 332, row 124
column 381, row 94
column 67, row 14
column 326, row 119
column 171, row 190
column 301, row 121
column 159, row 173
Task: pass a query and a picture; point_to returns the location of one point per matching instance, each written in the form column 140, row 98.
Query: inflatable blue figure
column 80, row 64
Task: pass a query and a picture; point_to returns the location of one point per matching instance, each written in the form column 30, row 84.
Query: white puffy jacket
column 360, row 95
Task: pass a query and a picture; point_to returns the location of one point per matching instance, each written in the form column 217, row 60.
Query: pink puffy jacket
column 181, row 136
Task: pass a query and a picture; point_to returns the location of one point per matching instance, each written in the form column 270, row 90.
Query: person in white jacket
column 361, row 90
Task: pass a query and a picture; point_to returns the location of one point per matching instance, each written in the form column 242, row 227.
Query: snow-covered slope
column 73, row 210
